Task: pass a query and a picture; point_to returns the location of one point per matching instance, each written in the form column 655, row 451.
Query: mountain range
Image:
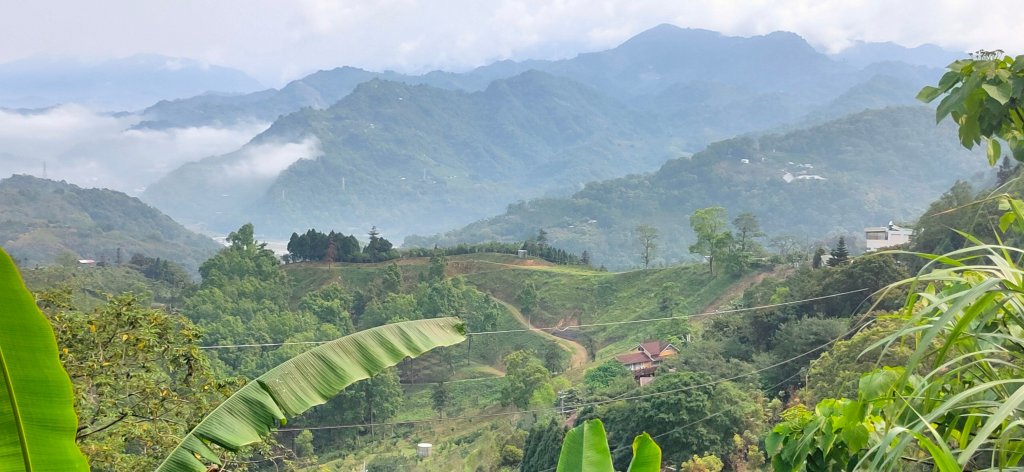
column 114, row 85
column 427, row 153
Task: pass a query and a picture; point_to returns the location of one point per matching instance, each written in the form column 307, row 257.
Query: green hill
column 567, row 295
column 834, row 178
column 40, row 219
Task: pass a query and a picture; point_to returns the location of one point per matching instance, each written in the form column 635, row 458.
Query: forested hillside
column 42, row 219
column 460, row 147
column 408, row 157
column 824, row 180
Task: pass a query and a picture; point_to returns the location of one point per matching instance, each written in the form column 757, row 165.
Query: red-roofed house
column 646, row 357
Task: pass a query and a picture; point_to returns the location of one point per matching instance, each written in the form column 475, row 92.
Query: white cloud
column 266, row 160
column 98, row 150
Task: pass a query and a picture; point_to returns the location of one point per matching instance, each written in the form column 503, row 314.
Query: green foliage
column 794, row 338
column 708, row 225
column 438, row 261
column 543, row 443
column 837, row 372
column 313, row 246
column 606, row 374
column 747, row 228
column 304, row 444
column 585, row 449
column 680, row 419
column 37, row 421
column 829, row 439
column 647, row 238
column 43, row 218
column 527, row 298
column 985, row 98
column 708, row 463
column 138, row 377
column 524, row 374
column 840, row 254
column 511, row 456
column 441, row 398
column 963, row 326
column 303, row 382
column 600, row 218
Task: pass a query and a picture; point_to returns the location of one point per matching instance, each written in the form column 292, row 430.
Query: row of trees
column 337, row 247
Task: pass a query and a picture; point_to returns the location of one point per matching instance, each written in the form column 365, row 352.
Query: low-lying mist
column 81, row 146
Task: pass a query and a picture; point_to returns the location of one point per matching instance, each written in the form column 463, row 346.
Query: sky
column 276, row 41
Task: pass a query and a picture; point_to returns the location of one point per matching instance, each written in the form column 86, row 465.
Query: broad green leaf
column 37, row 416
column 646, row 455
column 879, row 383
column 994, row 151
column 305, row 381
column 928, row 93
column 585, row 449
column 1001, row 92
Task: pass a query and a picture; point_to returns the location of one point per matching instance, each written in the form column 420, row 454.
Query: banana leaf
column 303, row 382
column 585, row 449
column 37, row 415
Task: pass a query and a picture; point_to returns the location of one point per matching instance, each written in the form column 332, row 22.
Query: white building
column 880, row 237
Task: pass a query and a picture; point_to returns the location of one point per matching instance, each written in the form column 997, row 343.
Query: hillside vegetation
column 448, row 157
column 41, row 219
column 460, row 147
column 830, row 179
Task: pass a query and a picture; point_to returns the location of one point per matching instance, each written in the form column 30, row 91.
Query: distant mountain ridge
column 40, row 219
column 834, row 178
column 421, row 154
column 114, row 85
column 643, row 66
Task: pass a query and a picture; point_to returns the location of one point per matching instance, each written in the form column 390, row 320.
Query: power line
column 582, row 405
column 588, row 325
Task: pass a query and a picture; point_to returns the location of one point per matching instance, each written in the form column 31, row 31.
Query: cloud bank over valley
column 91, row 149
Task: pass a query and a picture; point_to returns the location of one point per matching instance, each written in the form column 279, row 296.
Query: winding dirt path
column 579, row 353
column 736, row 290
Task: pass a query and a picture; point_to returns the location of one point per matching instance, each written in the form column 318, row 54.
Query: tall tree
column 438, row 262
column 747, row 228
column 710, row 227
column 524, row 374
column 840, row 254
column 647, row 237
column 440, row 398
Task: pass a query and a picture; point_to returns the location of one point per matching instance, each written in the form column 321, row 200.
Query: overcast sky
column 279, row 40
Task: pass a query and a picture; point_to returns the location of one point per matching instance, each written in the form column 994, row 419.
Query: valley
column 633, row 246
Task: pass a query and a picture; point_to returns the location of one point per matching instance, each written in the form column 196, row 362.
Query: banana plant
column 585, row 448
column 37, row 415
column 303, row 382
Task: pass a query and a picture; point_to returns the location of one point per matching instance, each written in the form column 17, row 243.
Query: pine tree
column 840, row 254
column 585, row 258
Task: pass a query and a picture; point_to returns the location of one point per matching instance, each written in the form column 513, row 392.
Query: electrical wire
column 589, row 325
column 582, row 405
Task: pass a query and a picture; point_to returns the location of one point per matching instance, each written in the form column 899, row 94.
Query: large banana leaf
column 303, row 382
column 585, row 449
column 37, row 415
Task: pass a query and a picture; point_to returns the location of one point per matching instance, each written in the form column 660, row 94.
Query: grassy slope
column 567, row 295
